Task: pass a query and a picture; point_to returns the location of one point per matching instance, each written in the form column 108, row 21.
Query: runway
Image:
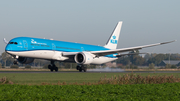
column 90, row 72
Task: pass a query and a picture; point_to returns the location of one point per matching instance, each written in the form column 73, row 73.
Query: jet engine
column 83, row 58
column 24, row 60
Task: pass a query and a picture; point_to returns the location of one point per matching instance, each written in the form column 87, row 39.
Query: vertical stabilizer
column 113, row 40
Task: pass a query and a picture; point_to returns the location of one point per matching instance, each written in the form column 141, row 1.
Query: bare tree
column 6, row 57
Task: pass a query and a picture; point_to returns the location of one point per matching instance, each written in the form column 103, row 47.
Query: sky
column 92, row 21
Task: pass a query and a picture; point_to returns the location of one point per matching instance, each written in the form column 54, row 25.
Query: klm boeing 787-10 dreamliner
column 26, row 49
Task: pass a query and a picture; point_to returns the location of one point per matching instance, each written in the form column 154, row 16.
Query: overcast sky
column 92, row 21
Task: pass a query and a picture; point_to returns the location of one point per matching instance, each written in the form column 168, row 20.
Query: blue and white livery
column 26, row 49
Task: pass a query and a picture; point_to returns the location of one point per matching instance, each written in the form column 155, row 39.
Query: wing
column 130, row 54
column 108, row 52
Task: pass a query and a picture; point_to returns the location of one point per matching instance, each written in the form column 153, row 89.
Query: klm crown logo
column 113, row 40
column 114, row 37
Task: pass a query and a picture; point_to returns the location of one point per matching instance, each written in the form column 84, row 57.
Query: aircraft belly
column 36, row 54
column 58, row 56
column 43, row 54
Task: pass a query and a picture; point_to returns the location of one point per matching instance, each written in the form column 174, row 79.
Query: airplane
column 25, row 49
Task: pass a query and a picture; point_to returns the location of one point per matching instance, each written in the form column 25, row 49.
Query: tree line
column 136, row 60
column 147, row 59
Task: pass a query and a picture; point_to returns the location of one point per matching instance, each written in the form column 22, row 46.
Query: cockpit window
column 13, row 43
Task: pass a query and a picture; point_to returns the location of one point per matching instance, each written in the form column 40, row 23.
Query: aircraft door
column 82, row 49
column 53, row 47
column 25, row 44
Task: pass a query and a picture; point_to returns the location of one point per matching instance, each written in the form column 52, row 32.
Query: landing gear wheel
column 77, row 67
column 85, row 69
column 15, row 62
column 49, row 66
column 80, row 70
column 56, row 69
column 52, row 67
column 51, row 70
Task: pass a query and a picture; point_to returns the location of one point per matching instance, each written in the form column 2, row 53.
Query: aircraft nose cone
column 8, row 48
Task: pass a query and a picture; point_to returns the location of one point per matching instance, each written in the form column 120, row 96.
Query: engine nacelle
column 24, row 60
column 83, row 58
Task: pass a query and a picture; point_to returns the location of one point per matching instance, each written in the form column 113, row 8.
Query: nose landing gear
column 15, row 62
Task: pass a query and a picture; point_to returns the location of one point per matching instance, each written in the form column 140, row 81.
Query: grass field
column 136, row 92
column 39, row 78
column 38, row 86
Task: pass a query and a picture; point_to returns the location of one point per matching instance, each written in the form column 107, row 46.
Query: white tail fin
column 113, row 40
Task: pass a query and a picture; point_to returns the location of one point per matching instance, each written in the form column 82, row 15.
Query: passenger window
column 16, row 43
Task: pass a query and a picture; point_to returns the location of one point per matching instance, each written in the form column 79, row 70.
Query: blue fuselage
column 20, row 44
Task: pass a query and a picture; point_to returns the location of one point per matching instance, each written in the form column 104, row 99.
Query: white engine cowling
column 83, row 58
column 24, row 60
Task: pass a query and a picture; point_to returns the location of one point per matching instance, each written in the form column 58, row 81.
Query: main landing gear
column 81, row 68
column 52, row 67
